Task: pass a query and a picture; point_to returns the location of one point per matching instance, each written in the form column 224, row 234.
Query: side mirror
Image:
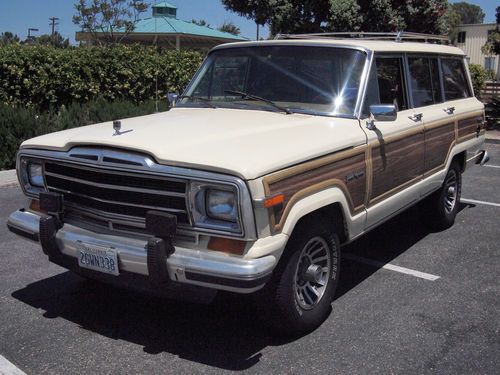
column 381, row 112
column 172, row 98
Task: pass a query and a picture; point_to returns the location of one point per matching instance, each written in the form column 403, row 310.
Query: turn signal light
column 274, row 200
column 227, row 245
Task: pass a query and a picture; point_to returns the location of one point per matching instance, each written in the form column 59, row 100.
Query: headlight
column 35, row 174
column 215, row 207
column 222, row 205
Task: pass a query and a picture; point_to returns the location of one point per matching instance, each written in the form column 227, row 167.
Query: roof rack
column 399, row 36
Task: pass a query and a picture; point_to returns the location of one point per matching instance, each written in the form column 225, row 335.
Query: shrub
column 45, row 77
column 478, row 76
column 20, row 123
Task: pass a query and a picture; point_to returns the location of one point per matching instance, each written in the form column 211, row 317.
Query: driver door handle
column 416, row 117
column 449, row 110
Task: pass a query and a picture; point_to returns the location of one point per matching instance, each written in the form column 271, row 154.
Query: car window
column 303, row 79
column 425, row 85
column 386, row 84
column 454, row 79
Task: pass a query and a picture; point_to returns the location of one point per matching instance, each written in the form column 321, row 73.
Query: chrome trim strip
column 116, row 187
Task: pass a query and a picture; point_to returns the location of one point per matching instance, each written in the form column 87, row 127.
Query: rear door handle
column 416, row 117
column 449, row 110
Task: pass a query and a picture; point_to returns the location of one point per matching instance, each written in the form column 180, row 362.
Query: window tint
column 425, row 85
column 387, row 85
column 454, row 79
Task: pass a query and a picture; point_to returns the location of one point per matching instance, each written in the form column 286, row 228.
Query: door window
column 386, row 84
column 454, row 79
column 425, row 84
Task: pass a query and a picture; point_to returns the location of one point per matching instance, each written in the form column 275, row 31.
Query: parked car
column 277, row 154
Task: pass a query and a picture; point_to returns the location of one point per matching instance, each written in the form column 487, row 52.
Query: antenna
column 156, row 71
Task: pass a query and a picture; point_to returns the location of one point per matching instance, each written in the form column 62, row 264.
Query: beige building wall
column 476, row 37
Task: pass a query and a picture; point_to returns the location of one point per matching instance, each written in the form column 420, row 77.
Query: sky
column 19, row 15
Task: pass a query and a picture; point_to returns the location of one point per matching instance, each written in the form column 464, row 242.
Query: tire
column 442, row 206
column 295, row 302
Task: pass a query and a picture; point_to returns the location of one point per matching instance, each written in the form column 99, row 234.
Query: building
column 471, row 38
column 166, row 30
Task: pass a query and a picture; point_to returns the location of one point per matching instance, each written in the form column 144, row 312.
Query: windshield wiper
column 203, row 100
column 245, row 95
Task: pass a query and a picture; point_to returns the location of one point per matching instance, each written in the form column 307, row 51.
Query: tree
column 200, row 22
column 469, row 13
column 108, row 21
column 305, row 16
column 229, row 27
column 56, row 40
column 8, row 38
column 492, row 46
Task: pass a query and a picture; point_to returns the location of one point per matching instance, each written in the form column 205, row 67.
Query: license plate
column 97, row 258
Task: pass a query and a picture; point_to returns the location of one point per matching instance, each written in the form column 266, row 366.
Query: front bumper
column 196, row 267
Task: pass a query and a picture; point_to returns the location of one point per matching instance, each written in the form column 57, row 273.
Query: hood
column 246, row 143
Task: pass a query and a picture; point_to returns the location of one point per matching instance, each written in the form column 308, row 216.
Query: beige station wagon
column 276, row 154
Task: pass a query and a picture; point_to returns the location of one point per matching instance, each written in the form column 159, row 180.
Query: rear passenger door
column 438, row 119
column 396, row 149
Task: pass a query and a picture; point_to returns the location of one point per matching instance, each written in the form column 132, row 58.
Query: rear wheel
column 299, row 295
column 443, row 205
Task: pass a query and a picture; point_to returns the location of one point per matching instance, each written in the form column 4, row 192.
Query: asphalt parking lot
column 410, row 301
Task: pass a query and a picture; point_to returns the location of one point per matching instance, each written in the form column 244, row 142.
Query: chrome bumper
column 196, row 267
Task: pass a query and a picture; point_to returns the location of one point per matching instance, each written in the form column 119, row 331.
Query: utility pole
column 257, row 30
column 53, row 24
column 30, row 37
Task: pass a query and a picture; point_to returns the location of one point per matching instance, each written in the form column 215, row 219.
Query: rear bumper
column 196, row 267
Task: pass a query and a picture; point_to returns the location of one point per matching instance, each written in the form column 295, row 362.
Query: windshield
column 319, row 80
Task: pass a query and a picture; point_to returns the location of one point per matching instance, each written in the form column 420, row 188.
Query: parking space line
column 473, row 201
column 491, row 166
column 392, row 267
column 7, row 368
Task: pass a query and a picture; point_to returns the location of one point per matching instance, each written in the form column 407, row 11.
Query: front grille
column 113, row 198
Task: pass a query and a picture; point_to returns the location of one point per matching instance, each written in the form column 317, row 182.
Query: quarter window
column 425, row 84
column 454, row 79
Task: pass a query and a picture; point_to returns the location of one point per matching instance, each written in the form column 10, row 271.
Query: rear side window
column 425, row 84
column 454, row 79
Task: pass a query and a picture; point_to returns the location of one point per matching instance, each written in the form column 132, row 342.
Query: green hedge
column 45, row 77
column 20, row 123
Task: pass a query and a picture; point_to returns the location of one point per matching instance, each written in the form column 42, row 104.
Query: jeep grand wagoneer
column 276, row 154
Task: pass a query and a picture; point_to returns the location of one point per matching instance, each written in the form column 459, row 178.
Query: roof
column 164, row 4
column 369, row 45
column 170, row 25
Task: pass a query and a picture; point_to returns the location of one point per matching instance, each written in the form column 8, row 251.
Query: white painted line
column 473, row 201
column 7, row 368
column 491, row 166
column 391, row 267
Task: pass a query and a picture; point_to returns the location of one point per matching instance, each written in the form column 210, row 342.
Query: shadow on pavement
column 225, row 334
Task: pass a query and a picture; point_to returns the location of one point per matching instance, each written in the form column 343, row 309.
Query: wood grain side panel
column 437, row 145
column 396, row 163
column 349, row 174
column 468, row 126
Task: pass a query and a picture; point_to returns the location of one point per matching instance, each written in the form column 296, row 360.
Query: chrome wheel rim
column 450, row 191
column 313, row 273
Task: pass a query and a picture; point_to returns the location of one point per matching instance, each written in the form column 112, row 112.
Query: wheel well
column 461, row 160
column 332, row 213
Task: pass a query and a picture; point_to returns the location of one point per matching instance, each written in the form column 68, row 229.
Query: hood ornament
column 117, row 126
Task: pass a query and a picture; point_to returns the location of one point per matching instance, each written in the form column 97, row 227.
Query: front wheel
column 443, row 205
column 299, row 295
